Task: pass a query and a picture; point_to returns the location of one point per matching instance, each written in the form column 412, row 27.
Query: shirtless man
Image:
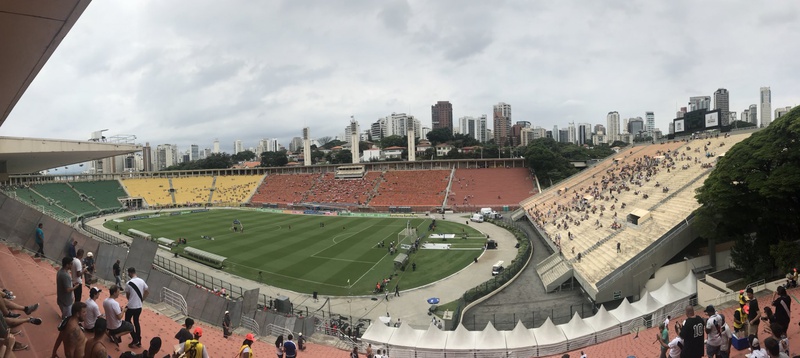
column 95, row 348
column 72, row 335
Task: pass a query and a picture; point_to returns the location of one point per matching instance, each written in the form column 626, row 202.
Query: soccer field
column 307, row 253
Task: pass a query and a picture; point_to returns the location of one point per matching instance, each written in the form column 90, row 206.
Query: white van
column 497, row 268
column 485, row 211
column 478, row 218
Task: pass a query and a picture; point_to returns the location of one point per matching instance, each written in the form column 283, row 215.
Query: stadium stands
column 192, row 190
column 234, row 188
column 476, row 188
column 155, row 191
column 329, row 190
column 587, row 215
column 103, row 193
column 284, row 188
column 67, row 198
column 422, row 189
column 31, row 197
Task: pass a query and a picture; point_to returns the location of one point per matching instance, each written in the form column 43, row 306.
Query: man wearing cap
column 755, row 349
column 192, row 347
column 714, row 331
column 92, row 310
column 753, row 313
column 88, row 269
column 247, row 346
column 226, row 325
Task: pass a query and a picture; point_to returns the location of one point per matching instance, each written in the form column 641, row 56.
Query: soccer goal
column 408, row 234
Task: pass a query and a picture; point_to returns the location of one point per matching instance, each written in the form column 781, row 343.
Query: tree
column 274, row 159
column 394, row 141
column 340, row 157
column 362, row 146
column 753, row 196
column 618, row 143
column 324, row 140
column 463, row 140
column 333, row 143
column 742, row 124
column 440, row 135
column 243, row 156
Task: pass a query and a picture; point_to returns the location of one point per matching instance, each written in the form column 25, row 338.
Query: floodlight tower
column 306, row 146
column 412, row 148
column 354, row 139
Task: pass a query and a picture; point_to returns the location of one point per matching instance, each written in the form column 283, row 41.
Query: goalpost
column 407, row 233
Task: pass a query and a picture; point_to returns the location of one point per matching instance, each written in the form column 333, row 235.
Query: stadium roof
column 30, row 31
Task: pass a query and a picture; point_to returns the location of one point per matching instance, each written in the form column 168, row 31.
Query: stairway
column 171, row 190
column 212, row 190
column 554, row 271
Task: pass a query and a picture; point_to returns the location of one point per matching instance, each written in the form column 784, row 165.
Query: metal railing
column 734, row 295
column 251, row 324
column 275, row 330
column 174, row 299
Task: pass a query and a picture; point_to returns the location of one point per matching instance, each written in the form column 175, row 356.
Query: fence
column 251, row 324
column 507, row 321
column 174, row 299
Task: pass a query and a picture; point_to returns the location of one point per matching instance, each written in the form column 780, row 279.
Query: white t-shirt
column 111, row 306
column 133, row 298
column 727, row 335
column 759, row 353
column 714, row 338
column 92, row 312
column 76, row 267
column 674, row 350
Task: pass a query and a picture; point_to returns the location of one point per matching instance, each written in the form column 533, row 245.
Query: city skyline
column 186, row 73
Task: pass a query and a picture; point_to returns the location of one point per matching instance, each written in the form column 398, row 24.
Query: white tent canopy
column 576, row 328
column 626, row 312
column 668, row 294
column 600, row 321
column 519, row 337
column 461, row 339
column 548, row 333
column 688, row 284
column 378, row 333
column 405, row 336
column 432, row 339
column 647, row 304
column 491, row 339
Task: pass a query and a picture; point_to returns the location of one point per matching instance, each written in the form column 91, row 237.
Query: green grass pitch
column 308, row 257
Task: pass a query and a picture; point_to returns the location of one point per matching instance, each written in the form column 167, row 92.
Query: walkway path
column 410, row 307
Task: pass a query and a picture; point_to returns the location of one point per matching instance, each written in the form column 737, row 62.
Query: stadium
column 385, row 253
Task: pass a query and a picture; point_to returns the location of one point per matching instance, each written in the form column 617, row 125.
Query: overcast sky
column 187, row 72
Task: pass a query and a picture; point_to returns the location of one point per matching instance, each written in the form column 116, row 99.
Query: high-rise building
column 599, row 129
column 732, row 117
column 267, row 145
column 722, row 103
column 572, row 135
column 753, row 114
column 556, row 133
column 502, row 124
column 394, row 124
column 650, row 122
column 237, row 146
column 166, row 156
column 194, row 152
column 680, row 113
column 424, row 132
column 216, row 146
column 766, row 106
column 516, row 132
column 563, row 135
column 612, row 128
column 147, row 157
column 635, row 126
column 745, row 117
column 442, row 115
column 699, row 102
column 474, row 127
column 780, row 112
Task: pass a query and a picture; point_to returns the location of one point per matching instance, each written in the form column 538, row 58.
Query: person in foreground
column 71, row 333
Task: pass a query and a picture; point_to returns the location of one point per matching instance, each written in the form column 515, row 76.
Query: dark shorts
column 124, row 327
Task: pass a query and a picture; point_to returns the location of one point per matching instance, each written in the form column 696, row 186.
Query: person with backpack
column 246, row 351
column 192, row 347
column 279, row 346
column 783, row 306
